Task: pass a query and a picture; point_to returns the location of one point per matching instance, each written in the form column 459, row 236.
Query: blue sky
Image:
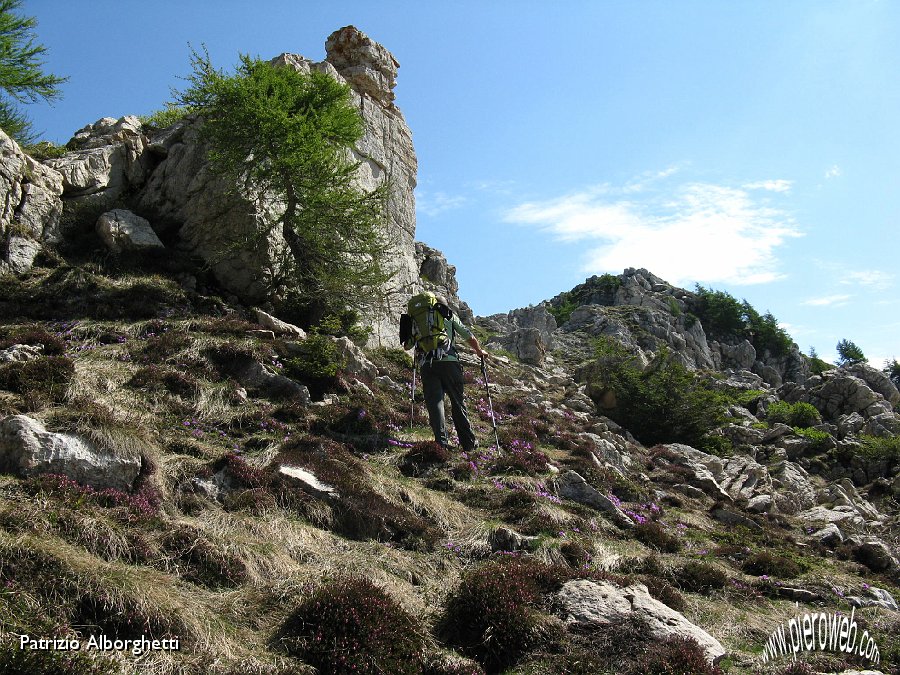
column 753, row 147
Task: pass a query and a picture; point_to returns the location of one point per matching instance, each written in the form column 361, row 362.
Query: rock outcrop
column 27, row 448
column 30, row 206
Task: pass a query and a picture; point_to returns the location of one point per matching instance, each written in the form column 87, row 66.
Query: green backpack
column 426, row 323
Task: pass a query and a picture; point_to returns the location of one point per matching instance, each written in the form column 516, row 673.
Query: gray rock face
column 109, row 156
column 30, row 206
column 27, row 448
column 439, row 277
column 121, row 230
column 600, row 603
column 838, row 392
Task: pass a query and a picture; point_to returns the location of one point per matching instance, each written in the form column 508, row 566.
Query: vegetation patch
column 352, row 625
column 40, row 380
column 797, row 414
column 359, row 512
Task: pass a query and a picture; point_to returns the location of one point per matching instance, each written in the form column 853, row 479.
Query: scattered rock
column 877, row 597
column 876, row 555
column 278, row 326
column 572, row 485
column 27, row 448
column 121, row 230
column 254, row 375
column 734, row 519
column 600, row 603
column 21, row 353
column 505, row 539
column 308, row 481
column 830, row 536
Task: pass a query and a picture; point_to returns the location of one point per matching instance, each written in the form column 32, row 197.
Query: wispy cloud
column 692, row 232
column 779, row 185
column 833, row 171
column 434, row 203
column 875, row 279
column 837, row 300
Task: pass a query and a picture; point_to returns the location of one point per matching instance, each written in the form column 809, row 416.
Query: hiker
column 432, row 329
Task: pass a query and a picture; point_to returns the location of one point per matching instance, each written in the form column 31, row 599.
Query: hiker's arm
column 473, row 343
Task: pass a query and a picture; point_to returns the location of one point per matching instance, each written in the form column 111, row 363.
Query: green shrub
column 819, row 439
column 352, row 625
column 665, row 403
column 700, row 577
column 318, row 364
column 881, row 448
column 797, row 414
column 725, row 318
column 165, row 117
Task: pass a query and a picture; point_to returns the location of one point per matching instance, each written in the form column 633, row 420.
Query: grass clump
column 655, row 536
column 352, row 625
column 359, row 511
column 201, row 561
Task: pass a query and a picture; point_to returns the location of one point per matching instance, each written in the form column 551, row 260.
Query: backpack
column 425, row 323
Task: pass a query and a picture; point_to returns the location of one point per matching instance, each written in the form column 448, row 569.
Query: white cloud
column 828, row 301
column 695, row 232
column 870, row 278
column 432, row 204
column 833, row 171
column 779, row 185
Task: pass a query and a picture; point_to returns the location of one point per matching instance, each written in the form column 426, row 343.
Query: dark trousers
column 446, row 377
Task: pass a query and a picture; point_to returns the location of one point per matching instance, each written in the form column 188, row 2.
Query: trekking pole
column 412, row 397
column 490, row 403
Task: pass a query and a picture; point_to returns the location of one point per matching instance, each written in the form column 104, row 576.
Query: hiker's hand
column 473, row 343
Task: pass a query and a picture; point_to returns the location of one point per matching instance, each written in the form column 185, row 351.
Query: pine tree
column 22, row 79
column 849, row 353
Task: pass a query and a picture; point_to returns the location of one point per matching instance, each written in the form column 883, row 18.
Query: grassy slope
column 224, row 575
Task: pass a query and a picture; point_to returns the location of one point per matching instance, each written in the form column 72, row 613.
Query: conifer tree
column 22, row 78
column 285, row 139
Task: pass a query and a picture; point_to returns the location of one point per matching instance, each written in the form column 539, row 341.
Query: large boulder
column 589, row 604
column 121, row 230
column 27, row 448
